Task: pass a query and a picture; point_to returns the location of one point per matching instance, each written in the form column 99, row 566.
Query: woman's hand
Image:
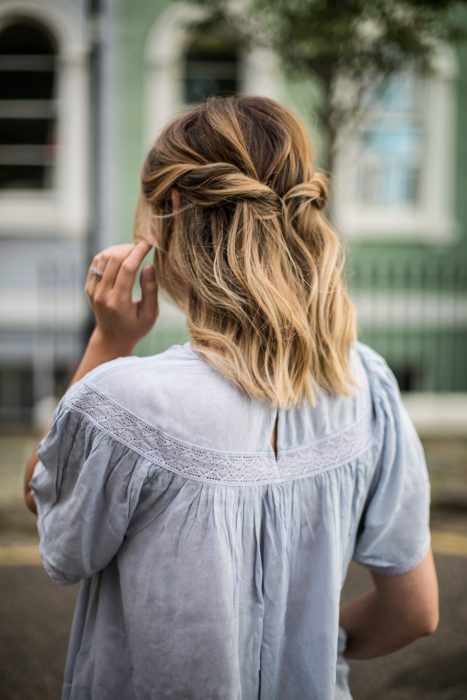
column 119, row 320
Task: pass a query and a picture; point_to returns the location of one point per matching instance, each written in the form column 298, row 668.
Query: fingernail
column 150, row 274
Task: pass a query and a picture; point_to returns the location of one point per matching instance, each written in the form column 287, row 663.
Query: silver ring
column 96, row 272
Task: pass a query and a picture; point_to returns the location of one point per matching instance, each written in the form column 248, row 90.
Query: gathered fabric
column 210, row 566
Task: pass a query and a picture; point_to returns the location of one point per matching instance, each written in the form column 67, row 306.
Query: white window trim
column 431, row 222
column 423, row 310
column 165, row 44
column 63, row 211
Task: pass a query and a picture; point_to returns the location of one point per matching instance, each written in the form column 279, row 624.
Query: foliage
column 357, row 43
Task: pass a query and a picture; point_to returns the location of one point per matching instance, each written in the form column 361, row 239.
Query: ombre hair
column 246, row 251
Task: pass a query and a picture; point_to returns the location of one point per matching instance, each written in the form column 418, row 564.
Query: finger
column 92, row 280
column 148, row 305
column 116, row 255
column 128, row 269
column 108, row 261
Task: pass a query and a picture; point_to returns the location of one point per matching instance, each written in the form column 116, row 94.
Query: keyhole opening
column 274, row 435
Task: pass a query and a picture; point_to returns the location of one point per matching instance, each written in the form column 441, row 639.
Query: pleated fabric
column 209, row 566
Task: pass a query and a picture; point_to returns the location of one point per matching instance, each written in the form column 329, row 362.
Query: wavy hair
column 233, row 205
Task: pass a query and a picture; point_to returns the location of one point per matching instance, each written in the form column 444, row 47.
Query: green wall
column 437, row 356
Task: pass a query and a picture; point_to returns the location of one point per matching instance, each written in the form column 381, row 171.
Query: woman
column 210, row 497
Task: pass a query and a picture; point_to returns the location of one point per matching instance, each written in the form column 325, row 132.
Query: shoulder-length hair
column 233, row 205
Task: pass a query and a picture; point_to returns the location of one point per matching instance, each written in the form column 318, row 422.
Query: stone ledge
column 441, row 415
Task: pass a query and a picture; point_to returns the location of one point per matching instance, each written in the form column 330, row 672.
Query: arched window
column 211, row 67
column 182, row 68
column 43, row 120
column 44, row 200
column 28, row 106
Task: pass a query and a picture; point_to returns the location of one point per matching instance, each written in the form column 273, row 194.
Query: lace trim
column 204, row 464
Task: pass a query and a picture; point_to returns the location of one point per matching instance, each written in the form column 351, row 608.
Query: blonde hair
column 247, row 252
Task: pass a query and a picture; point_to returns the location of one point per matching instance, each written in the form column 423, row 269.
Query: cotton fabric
column 211, row 569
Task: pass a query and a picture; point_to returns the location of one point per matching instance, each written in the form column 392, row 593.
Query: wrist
column 110, row 346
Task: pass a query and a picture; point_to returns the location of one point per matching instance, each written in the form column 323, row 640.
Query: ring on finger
column 96, row 272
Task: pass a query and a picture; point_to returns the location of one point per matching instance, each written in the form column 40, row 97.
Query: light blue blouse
column 209, row 568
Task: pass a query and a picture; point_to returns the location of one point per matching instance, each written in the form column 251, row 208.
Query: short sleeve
column 394, row 532
column 86, row 486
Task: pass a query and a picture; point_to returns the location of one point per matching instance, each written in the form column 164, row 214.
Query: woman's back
column 213, row 566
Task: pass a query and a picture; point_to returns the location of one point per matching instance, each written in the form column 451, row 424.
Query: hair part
column 248, row 254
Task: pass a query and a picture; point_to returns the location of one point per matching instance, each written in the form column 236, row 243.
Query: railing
column 415, row 313
column 411, row 311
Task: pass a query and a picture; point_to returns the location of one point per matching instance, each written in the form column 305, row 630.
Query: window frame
column 433, row 219
column 31, row 108
column 164, row 69
column 63, row 210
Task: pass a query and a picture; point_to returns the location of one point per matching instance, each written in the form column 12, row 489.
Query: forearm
column 375, row 627
column 97, row 352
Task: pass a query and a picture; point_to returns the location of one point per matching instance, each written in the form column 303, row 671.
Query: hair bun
column 315, row 191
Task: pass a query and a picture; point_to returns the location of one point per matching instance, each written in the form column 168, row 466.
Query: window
column 391, row 144
column 27, row 107
column 211, row 67
column 181, row 69
column 43, row 120
column 394, row 174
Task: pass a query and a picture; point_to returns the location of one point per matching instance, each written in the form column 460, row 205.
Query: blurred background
column 85, row 88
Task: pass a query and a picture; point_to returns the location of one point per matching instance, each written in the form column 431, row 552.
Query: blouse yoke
column 211, row 567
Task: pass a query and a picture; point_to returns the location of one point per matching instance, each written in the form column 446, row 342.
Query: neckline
column 188, row 346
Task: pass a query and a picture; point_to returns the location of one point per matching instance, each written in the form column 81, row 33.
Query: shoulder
column 134, row 379
column 392, row 414
column 381, row 378
column 369, row 356
column 174, row 391
column 124, row 379
column 122, row 369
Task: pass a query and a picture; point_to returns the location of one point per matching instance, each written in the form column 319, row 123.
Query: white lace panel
column 204, row 464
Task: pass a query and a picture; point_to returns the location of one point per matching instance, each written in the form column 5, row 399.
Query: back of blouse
column 212, row 567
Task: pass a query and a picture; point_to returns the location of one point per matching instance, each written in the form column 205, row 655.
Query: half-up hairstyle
column 246, row 251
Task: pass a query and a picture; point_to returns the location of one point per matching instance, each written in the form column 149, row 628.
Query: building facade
column 87, row 86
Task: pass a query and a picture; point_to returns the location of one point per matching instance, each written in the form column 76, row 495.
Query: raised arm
column 120, row 322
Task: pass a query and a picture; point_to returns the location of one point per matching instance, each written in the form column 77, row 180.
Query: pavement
column 36, row 614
